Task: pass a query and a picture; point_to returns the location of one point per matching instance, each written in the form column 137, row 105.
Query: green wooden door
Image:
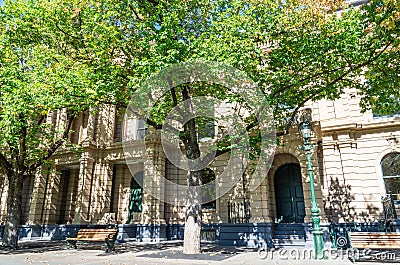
column 289, row 194
column 136, row 195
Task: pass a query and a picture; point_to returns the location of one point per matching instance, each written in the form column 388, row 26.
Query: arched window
column 391, row 173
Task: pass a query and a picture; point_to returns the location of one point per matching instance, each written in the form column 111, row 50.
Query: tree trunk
column 191, row 243
column 13, row 216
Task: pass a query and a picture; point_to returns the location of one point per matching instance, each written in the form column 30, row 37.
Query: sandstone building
column 356, row 161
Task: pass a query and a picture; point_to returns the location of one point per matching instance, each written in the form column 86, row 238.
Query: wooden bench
column 374, row 240
column 108, row 235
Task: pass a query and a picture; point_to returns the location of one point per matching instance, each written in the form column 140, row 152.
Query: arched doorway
column 289, row 194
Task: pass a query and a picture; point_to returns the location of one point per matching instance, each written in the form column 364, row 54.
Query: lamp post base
column 319, row 244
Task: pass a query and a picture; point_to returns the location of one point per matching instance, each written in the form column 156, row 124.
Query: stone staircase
column 288, row 235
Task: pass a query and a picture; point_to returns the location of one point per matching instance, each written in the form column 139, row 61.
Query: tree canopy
column 295, row 50
column 34, row 81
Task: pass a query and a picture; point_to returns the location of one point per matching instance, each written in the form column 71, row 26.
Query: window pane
column 130, row 129
column 134, row 129
column 141, row 130
column 392, row 185
column 391, row 165
column 117, row 128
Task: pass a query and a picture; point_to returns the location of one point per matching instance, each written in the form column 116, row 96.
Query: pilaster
column 39, row 193
column 50, row 200
column 153, row 185
column 101, row 193
column 85, row 182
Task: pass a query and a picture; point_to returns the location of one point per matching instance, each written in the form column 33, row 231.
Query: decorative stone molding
column 393, row 141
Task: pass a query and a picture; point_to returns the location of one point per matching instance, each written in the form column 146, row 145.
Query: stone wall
column 348, row 148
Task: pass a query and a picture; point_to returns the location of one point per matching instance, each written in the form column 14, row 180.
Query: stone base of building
column 251, row 235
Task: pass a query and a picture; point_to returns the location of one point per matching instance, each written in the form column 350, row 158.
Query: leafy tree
column 381, row 91
column 35, row 81
column 296, row 51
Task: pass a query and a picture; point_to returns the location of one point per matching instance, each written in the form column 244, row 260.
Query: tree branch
column 135, row 13
column 50, row 152
column 22, row 148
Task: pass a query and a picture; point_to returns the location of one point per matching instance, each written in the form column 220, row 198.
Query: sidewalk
column 55, row 253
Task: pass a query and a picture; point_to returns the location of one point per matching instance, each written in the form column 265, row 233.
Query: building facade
column 355, row 160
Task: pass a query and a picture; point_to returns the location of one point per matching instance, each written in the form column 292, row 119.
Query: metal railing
column 389, row 209
column 340, row 231
column 238, row 212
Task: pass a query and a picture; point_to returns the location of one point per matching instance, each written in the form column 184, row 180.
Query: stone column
column 259, row 204
column 39, row 194
column 86, row 173
column 101, row 193
column 100, row 129
column 50, row 200
column 154, row 171
column 153, row 228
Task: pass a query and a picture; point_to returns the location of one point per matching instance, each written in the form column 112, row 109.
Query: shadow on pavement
column 48, row 246
column 34, row 247
column 166, row 249
column 38, row 246
column 209, row 252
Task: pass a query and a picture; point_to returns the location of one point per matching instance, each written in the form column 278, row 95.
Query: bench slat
column 370, row 246
column 92, row 239
column 375, row 240
column 98, row 230
column 375, row 235
column 94, row 234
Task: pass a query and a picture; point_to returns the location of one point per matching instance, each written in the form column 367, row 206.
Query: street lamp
column 305, row 129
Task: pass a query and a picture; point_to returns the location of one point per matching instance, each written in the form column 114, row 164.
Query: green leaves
column 77, row 54
column 381, row 90
column 36, row 79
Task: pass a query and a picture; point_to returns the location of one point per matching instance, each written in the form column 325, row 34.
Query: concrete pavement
column 55, row 253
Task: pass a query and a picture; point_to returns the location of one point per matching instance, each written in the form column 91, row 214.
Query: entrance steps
column 288, row 235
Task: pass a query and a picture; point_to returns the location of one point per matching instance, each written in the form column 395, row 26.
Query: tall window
column 117, row 128
column 96, row 121
column 26, row 199
column 74, row 133
column 129, row 129
column 135, row 129
column 122, row 180
column 391, row 173
column 66, row 196
column 209, row 190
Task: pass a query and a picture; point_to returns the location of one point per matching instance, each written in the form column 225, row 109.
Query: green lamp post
column 305, row 129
